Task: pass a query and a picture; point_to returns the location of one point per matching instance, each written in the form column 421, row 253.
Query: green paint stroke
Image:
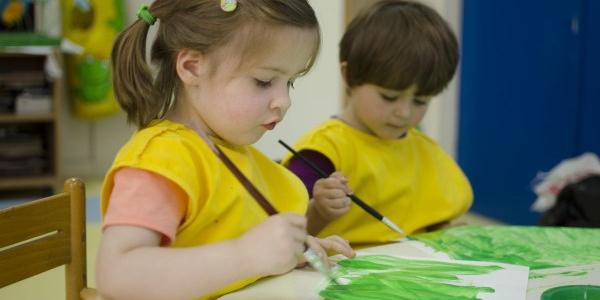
column 387, row 277
column 536, row 247
column 538, row 275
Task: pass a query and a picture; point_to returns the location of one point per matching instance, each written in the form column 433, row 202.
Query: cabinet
column 29, row 121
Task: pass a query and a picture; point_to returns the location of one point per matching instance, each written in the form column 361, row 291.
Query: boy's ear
column 191, row 65
column 343, row 71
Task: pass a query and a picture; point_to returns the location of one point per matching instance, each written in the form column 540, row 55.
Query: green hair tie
column 228, row 5
column 144, row 14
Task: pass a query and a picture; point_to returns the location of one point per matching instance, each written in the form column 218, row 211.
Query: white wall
column 317, row 95
column 89, row 147
column 441, row 121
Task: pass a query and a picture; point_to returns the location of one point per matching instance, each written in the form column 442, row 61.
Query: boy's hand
column 330, row 196
column 331, row 243
column 276, row 244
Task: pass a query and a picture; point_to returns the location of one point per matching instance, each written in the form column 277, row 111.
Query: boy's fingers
column 348, row 190
column 339, row 176
column 332, row 183
column 333, row 194
column 338, row 203
column 341, row 183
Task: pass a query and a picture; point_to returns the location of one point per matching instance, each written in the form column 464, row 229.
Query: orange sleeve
column 145, row 199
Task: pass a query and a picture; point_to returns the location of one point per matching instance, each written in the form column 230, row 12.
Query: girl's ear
column 191, row 66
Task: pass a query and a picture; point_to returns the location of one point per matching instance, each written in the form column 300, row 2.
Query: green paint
column 539, row 275
column 536, row 247
column 387, row 277
column 572, row 292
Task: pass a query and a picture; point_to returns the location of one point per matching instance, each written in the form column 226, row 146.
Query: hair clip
column 228, row 5
column 144, row 14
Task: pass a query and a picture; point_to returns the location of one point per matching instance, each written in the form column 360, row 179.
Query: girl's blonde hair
column 192, row 24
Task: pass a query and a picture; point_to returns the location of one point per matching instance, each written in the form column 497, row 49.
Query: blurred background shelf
column 13, row 118
column 19, row 182
column 29, row 116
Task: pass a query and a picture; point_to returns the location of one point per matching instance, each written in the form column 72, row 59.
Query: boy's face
column 387, row 114
column 240, row 101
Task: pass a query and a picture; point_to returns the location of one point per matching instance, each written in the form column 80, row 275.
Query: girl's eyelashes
column 262, row 84
column 265, row 84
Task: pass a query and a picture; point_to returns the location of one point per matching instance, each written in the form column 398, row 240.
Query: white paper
column 554, row 277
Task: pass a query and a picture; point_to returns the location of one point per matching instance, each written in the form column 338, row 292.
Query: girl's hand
column 331, row 243
column 330, row 196
column 276, row 244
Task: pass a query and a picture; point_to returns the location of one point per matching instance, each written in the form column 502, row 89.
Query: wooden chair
column 43, row 234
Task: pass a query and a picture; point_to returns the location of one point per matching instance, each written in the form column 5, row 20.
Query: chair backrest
column 43, row 234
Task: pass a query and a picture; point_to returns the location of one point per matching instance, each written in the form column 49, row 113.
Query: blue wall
column 528, row 97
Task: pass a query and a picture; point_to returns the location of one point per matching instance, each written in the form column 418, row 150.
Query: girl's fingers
column 316, row 246
column 296, row 220
column 337, row 244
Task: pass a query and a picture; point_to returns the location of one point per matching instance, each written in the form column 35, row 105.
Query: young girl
column 177, row 224
column 394, row 58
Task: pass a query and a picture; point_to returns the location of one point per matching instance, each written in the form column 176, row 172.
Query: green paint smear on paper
column 536, row 247
column 387, row 277
column 538, row 275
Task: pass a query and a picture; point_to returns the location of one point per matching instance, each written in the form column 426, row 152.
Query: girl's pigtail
column 132, row 78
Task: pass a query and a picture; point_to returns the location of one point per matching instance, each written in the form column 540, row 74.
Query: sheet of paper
column 407, row 278
column 506, row 281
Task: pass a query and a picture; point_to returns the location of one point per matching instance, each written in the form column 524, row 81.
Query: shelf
column 26, row 118
column 43, row 124
column 27, row 181
column 27, row 39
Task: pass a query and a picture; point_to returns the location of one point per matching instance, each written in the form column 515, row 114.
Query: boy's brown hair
column 395, row 44
column 199, row 25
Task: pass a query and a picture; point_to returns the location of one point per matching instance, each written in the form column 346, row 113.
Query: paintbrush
column 370, row 210
column 311, row 257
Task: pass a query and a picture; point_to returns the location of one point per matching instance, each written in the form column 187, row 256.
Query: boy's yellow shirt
column 412, row 181
column 219, row 208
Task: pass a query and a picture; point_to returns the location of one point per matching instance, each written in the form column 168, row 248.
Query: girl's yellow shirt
column 412, row 181
column 219, row 208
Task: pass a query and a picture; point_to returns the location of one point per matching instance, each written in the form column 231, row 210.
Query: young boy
column 394, row 57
